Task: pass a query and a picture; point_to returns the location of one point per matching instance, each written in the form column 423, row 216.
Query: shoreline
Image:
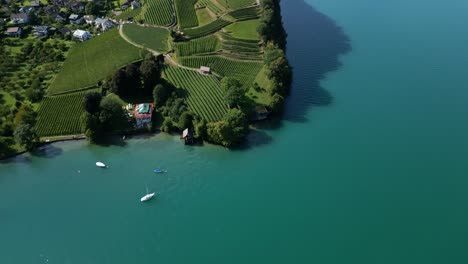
column 48, row 141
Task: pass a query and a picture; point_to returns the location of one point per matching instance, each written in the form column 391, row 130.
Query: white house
column 82, row 35
column 205, row 70
column 104, row 24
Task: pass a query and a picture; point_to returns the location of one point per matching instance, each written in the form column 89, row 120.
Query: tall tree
column 26, row 136
column 160, row 94
column 92, row 102
column 25, row 115
column 150, row 72
column 112, row 116
column 92, row 8
column 235, row 93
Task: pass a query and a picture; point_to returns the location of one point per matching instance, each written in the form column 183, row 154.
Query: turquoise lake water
column 369, row 165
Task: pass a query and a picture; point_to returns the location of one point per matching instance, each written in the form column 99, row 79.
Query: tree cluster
column 235, row 93
column 171, row 104
column 271, row 28
column 135, row 80
column 103, row 116
column 280, row 73
column 231, row 130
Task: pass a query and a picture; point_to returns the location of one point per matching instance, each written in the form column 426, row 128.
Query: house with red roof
column 143, row 114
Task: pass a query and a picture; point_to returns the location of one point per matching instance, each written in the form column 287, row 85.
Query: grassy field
column 214, row 6
column 60, row 115
column 204, row 95
column 93, row 60
column 204, row 16
column 149, row 37
column 244, row 29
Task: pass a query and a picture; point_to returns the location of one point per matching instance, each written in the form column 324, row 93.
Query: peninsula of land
column 204, row 69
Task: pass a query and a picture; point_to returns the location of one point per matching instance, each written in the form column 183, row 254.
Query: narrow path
column 167, row 58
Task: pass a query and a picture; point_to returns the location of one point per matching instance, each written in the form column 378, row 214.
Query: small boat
column 101, row 165
column 147, row 197
column 159, row 171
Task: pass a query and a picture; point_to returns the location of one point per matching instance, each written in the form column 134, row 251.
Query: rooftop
column 13, row 29
column 143, row 111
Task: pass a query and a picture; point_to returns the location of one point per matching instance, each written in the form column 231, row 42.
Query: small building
column 14, row 32
column 143, row 114
column 64, row 31
column 187, row 135
column 89, row 19
column 75, row 19
column 205, row 70
column 60, row 18
column 135, row 4
column 82, row 35
column 40, row 31
column 104, row 24
column 20, row 18
column 261, row 113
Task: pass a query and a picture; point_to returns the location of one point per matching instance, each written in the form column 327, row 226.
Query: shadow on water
column 315, row 44
column 255, row 138
column 47, row 151
column 109, row 141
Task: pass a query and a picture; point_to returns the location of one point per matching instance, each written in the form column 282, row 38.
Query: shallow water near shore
column 369, row 164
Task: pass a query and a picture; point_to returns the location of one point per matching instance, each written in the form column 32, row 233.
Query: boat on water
column 101, row 165
column 159, row 171
column 147, row 197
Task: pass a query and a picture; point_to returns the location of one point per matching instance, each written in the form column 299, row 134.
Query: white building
column 82, row 35
column 104, row 24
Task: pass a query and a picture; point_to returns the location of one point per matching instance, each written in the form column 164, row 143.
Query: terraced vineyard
column 186, row 14
column 244, row 70
column 60, row 115
column 236, row 4
column 206, row 29
column 158, row 12
column 93, row 60
column 211, row 6
column 198, row 46
column 245, row 13
column 204, row 95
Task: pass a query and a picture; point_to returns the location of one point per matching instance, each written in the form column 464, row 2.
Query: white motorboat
column 147, row 197
column 101, row 165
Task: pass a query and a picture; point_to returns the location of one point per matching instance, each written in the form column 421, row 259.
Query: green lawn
column 244, row 29
column 204, row 16
column 93, row 60
column 149, row 37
